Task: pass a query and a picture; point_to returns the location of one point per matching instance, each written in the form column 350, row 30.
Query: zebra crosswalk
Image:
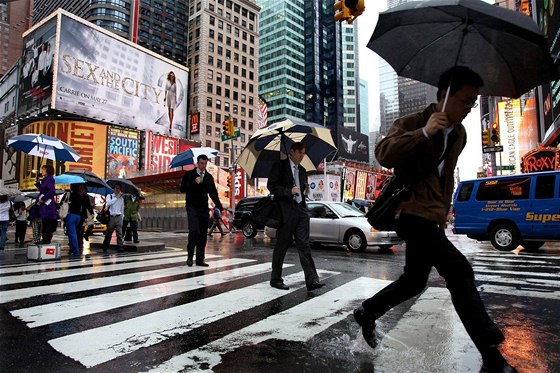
column 107, row 313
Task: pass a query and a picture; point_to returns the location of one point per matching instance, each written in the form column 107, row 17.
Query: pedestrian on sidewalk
column 21, row 222
column 115, row 203
column 5, row 207
column 131, row 209
column 423, row 149
column 198, row 184
column 78, row 208
column 46, row 203
column 216, row 217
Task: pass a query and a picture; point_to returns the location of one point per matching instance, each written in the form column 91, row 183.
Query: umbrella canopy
column 68, row 179
column 272, row 143
column 34, row 195
column 189, row 156
column 44, row 146
column 19, row 198
column 127, row 186
column 7, row 191
column 422, row 39
column 94, row 183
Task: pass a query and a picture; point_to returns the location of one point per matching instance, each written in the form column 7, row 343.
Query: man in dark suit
column 197, row 184
column 286, row 182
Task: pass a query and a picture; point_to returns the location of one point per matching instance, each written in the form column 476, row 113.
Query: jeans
column 3, row 233
column 72, row 222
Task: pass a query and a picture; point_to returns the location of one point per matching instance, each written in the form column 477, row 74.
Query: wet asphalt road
column 150, row 312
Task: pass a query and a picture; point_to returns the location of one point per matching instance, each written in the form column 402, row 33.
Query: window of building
column 210, row 61
column 210, row 74
column 209, row 116
column 211, row 47
column 219, row 77
column 209, row 101
column 208, row 130
column 226, row 106
column 228, row 80
column 218, row 90
column 209, row 88
column 219, row 104
column 227, row 91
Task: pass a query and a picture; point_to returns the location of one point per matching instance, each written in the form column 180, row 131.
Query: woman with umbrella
column 78, row 210
column 47, row 207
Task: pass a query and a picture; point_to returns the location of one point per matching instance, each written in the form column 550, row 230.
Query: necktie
column 297, row 198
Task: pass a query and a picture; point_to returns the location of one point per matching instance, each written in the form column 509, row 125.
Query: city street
column 149, row 312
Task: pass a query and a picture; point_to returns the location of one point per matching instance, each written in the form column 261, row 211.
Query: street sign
column 492, row 149
column 507, row 167
column 236, row 135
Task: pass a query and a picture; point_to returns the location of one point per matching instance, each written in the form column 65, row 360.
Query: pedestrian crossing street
column 104, row 311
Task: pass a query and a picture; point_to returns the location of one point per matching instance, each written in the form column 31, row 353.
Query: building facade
column 15, row 18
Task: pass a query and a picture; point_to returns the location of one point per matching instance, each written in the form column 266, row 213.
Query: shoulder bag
column 381, row 215
column 103, row 216
column 267, row 212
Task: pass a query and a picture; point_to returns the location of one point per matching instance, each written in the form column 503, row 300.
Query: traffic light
column 229, row 182
column 230, row 128
column 486, row 138
column 495, row 133
column 341, row 12
column 356, row 7
column 225, row 128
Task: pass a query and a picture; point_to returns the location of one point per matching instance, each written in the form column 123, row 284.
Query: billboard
column 9, row 156
column 509, row 114
column 87, row 139
column 160, row 150
column 352, row 145
column 36, row 70
column 123, row 153
column 100, row 75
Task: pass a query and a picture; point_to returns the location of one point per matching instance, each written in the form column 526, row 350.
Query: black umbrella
column 127, row 186
column 94, row 183
column 422, row 39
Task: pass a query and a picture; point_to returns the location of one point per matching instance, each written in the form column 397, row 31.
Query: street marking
column 66, row 310
column 526, row 281
column 518, row 261
column 91, row 270
column 98, row 283
column 295, row 324
column 108, row 342
column 511, row 291
column 49, row 266
column 478, row 269
column 429, row 327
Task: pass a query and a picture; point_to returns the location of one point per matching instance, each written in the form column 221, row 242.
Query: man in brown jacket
column 423, row 149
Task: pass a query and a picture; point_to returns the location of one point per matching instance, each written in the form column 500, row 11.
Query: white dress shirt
column 116, row 205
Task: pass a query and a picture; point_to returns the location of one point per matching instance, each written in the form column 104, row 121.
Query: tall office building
column 350, row 76
column 388, row 96
column 364, row 107
column 15, row 18
column 281, row 64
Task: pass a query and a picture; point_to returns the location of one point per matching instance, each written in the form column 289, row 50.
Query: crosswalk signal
column 225, row 128
column 486, row 138
column 230, row 128
column 495, row 133
column 341, row 12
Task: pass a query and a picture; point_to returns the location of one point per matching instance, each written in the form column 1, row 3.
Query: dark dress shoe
column 314, row 286
column 367, row 322
column 494, row 362
column 279, row 285
column 506, row 368
column 202, row 264
column 189, row 262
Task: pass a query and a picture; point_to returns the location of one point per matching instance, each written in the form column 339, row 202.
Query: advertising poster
column 102, row 76
column 361, row 185
column 160, row 150
column 9, row 156
column 349, row 185
column 334, row 188
column 352, row 145
column 36, row 72
column 509, row 114
column 370, row 188
column 239, row 183
column 123, row 153
column 87, row 139
column 195, row 124
column 317, row 188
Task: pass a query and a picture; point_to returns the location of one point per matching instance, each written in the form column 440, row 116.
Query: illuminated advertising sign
column 509, row 114
column 100, row 75
column 195, row 124
column 123, row 153
column 9, row 156
column 353, row 145
column 543, row 159
column 87, row 139
column 361, row 185
column 160, row 150
column 239, row 183
column 36, row 71
column 548, row 19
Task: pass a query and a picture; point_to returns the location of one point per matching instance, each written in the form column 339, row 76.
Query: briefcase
column 42, row 252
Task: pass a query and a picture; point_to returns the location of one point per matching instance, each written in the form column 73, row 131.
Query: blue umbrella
column 68, row 179
column 94, row 183
column 189, row 156
column 44, row 146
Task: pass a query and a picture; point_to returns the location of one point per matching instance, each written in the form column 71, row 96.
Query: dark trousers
column 128, row 230
column 296, row 226
column 216, row 223
column 427, row 247
column 21, row 229
column 198, row 224
column 48, row 227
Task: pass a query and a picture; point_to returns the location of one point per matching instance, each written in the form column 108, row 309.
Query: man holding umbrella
column 423, row 149
column 197, row 184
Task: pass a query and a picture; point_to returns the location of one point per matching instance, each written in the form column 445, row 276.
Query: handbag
column 63, row 208
column 267, row 212
column 103, row 216
column 381, row 215
column 12, row 213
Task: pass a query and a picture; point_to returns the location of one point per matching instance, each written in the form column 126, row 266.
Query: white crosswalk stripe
column 99, row 303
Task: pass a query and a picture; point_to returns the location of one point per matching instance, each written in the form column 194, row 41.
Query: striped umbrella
column 272, row 143
column 190, row 156
column 44, row 146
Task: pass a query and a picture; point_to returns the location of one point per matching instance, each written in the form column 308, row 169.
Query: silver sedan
column 339, row 223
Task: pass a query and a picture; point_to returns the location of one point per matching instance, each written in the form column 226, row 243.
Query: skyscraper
column 15, row 18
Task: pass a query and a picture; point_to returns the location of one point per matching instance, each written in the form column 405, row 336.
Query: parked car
column 339, row 223
column 242, row 218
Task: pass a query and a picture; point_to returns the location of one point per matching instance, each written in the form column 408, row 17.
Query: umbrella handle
column 446, row 97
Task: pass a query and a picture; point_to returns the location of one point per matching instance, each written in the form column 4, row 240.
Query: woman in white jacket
column 5, row 206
